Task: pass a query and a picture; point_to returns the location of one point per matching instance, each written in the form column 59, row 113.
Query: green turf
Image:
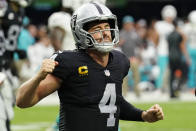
column 179, row 116
column 40, row 116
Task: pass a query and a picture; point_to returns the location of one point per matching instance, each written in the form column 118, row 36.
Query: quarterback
column 89, row 79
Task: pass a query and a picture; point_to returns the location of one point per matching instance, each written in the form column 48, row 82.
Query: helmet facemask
column 84, row 39
column 101, row 45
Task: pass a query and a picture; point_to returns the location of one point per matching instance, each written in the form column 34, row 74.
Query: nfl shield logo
column 107, row 72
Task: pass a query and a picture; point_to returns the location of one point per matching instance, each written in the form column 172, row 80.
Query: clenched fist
column 47, row 67
column 153, row 114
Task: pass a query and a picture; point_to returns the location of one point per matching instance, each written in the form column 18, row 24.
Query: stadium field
column 179, row 116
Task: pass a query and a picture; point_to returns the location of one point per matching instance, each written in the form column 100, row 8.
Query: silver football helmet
column 88, row 13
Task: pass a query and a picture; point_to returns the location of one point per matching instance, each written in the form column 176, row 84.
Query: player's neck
column 100, row 58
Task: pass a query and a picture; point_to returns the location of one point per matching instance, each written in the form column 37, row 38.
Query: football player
column 59, row 27
column 89, row 79
column 11, row 15
column 164, row 28
column 190, row 31
column 11, row 22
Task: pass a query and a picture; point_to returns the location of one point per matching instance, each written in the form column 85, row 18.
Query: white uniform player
column 3, row 116
column 190, row 31
column 164, row 28
column 62, row 20
column 7, row 97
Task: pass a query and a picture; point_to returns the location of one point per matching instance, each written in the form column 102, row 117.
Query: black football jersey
column 10, row 28
column 11, row 24
column 90, row 94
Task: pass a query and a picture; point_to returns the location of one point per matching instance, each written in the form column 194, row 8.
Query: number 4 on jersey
column 109, row 95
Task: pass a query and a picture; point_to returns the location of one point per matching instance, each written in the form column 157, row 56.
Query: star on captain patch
column 107, row 72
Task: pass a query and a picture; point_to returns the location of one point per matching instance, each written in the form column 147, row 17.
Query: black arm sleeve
column 129, row 112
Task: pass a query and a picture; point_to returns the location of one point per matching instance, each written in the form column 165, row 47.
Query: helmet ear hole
column 87, row 41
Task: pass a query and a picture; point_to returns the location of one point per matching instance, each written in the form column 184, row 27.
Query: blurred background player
column 27, row 37
column 11, row 16
column 178, row 60
column 164, row 28
column 129, row 44
column 36, row 52
column 3, row 117
column 59, row 27
column 147, row 55
column 42, row 49
column 190, row 31
column 3, row 8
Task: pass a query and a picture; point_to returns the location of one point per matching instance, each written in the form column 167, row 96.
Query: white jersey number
column 109, row 95
column 12, row 37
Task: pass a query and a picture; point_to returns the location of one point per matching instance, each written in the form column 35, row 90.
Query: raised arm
column 39, row 86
